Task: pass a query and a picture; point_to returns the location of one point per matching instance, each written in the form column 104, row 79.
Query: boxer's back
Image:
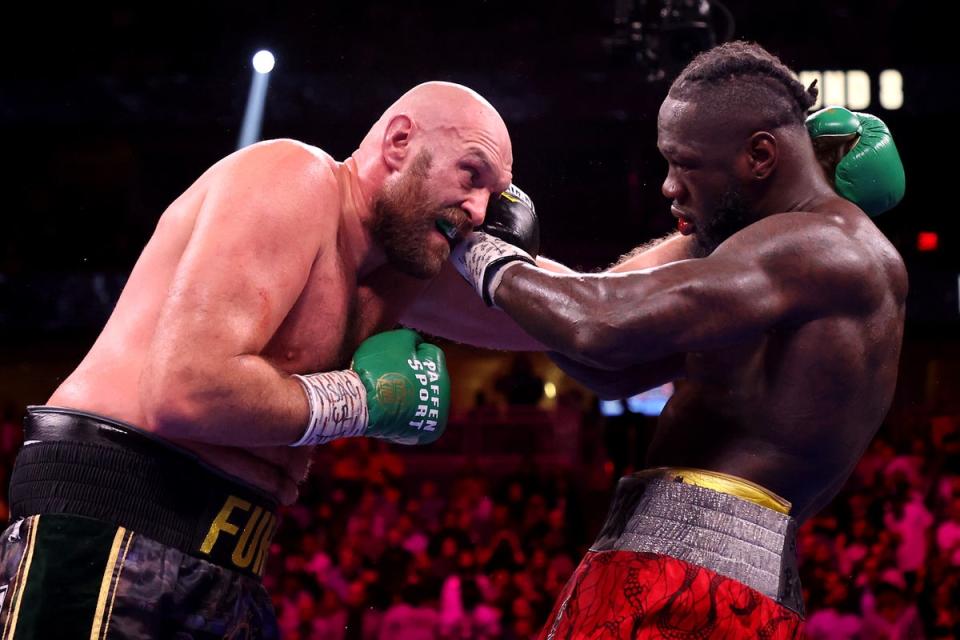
column 319, row 333
column 794, row 410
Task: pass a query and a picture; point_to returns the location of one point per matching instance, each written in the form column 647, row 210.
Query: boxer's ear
column 396, row 141
column 762, row 155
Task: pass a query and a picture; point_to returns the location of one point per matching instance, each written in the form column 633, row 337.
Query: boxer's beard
column 730, row 216
column 403, row 220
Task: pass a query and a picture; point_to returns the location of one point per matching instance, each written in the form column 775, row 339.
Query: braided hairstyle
column 745, row 77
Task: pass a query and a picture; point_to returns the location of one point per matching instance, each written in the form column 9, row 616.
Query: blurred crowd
column 372, row 552
column 883, row 559
column 378, row 549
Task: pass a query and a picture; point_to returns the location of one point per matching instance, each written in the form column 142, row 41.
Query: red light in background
column 927, row 241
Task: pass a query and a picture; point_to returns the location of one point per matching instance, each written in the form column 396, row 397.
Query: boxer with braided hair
column 782, row 331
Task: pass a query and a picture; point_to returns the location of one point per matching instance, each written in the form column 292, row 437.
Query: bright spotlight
column 263, row 61
column 253, row 115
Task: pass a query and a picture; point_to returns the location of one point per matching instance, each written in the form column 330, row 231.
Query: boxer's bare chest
column 773, row 409
column 757, row 388
column 333, row 315
column 789, row 375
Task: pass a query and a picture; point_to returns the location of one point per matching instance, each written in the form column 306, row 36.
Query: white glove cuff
column 481, row 259
column 338, row 406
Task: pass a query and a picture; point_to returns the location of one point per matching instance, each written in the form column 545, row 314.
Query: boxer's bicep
column 740, row 292
column 709, row 304
column 615, row 321
column 246, row 263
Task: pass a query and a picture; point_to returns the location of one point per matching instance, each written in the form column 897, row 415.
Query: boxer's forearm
column 449, row 308
column 580, row 316
column 244, row 401
column 568, row 312
column 617, row 320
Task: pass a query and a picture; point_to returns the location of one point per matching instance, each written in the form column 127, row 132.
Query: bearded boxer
column 143, row 500
column 783, row 336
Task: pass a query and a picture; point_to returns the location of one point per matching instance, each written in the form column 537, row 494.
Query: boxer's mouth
column 685, row 224
column 451, row 231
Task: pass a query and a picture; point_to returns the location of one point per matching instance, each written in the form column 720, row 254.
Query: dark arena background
column 108, row 113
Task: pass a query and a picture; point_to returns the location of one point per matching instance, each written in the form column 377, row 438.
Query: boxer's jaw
column 729, row 215
column 405, row 222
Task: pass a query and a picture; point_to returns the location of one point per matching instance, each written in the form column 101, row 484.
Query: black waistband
column 87, row 465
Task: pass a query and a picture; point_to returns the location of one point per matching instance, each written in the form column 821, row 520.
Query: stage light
column 927, row 241
column 263, row 61
column 253, row 114
column 550, row 390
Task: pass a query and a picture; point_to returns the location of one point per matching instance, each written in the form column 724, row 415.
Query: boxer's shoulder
column 873, row 258
column 839, row 227
column 277, row 179
column 832, row 256
column 295, row 160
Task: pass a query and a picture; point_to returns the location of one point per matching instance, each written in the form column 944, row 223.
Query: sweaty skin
column 268, row 266
column 785, row 339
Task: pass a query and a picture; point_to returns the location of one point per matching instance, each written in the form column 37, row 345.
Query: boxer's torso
column 333, row 314
column 794, row 410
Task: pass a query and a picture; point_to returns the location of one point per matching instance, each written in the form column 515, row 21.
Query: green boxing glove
column 397, row 388
column 858, row 154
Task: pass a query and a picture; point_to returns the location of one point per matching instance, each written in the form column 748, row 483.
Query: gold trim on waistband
column 723, row 483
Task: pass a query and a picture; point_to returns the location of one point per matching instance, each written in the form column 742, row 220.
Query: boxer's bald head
column 436, row 155
column 447, row 107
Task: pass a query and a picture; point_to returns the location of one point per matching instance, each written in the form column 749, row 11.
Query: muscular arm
column 250, row 253
column 784, row 268
column 449, row 307
column 622, row 383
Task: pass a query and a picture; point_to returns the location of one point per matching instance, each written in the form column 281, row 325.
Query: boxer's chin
column 421, row 269
column 730, row 216
column 419, row 256
column 409, row 238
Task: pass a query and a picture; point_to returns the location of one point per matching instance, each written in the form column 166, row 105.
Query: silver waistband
column 730, row 536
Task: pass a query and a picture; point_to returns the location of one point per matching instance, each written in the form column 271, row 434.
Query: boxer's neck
column 799, row 185
column 356, row 206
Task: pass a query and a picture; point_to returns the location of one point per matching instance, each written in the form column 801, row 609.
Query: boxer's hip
column 725, row 524
column 647, row 596
column 70, row 576
column 80, row 464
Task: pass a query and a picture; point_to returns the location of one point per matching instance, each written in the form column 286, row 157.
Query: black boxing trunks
column 686, row 553
column 117, row 534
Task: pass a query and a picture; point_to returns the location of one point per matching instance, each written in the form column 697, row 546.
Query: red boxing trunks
column 678, row 560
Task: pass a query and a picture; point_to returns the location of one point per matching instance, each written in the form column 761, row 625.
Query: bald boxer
column 783, row 334
column 143, row 500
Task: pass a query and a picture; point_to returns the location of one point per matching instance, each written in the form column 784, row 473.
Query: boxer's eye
column 473, row 175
